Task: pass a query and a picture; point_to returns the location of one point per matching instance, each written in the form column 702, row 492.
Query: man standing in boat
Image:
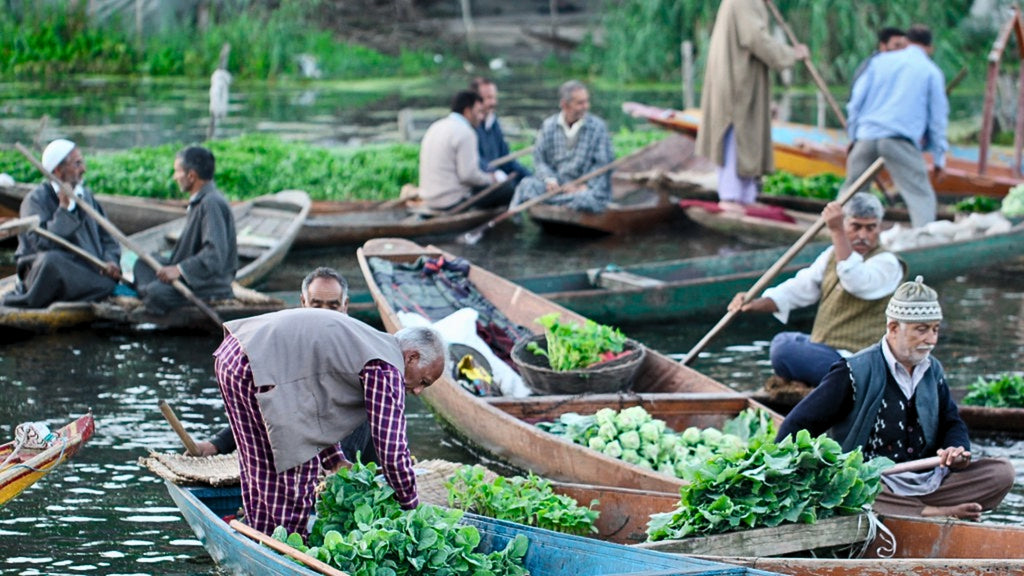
column 850, row 282
column 569, row 145
column 898, row 109
column 296, row 382
column 736, row 131
column 491, row 139
column 889, row 39
column 205, row 257
column 450, row 169
column 326, row 289
column 892, row 400
column 46, row 272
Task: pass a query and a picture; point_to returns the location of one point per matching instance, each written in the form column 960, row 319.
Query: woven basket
column 614, row 376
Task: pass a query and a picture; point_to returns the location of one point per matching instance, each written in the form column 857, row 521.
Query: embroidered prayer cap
column 914, row 302
column 56, row 152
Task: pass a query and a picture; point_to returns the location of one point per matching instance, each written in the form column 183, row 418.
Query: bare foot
column 965, row 511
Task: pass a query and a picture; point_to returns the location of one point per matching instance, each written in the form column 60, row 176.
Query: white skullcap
column 56, row 152
column 914, row 302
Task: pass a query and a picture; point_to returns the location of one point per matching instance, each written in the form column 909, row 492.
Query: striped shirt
column 286, row 499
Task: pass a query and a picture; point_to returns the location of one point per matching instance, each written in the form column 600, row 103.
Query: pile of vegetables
column 800, row 479
column 1005, row 391
column 1013, row 202
column 528, row 500
column 980, row 204
column 362, row 530
column 633, row 436
column 573, row 347
column 820, row 186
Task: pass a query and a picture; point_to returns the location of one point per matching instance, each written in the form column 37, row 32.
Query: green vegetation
column 528, row 500
column 1006, row 391
column 1013, row 202
column 981, row 204
column 572, row 346
column 821, row 186
column 642, row 37
column 800, row 479
column 258, row 164
column 362, row 530
column 57, row 38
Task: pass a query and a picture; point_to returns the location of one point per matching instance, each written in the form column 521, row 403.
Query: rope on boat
column 54, row 463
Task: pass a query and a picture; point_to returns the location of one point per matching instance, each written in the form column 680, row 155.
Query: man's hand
column 112, row 270
column 954, row 457
column 168, row 274
column 939, row 173
column 833, row 216
column 205, row 449
column 551, row 185
column 755, row 305
column 801, row 51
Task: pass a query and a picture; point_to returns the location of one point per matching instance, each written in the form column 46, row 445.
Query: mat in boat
column 219, row 470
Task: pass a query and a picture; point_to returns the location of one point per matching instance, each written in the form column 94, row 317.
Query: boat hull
column 21, row 473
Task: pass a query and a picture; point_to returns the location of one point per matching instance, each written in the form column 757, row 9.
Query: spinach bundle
column 1005, row 391
column 572, row 347
column 800, row 479
column 361, row 529
column 528, row 500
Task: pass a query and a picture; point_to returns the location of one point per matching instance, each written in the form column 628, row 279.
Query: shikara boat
column 334, row 223
column 504, row 428
column 771, row 225
column 266, row 228
column 549, row 553
column 23, row 467
column 806, row 150
column 628, row 213
column 129, row 311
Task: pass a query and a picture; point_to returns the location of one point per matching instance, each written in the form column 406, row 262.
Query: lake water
column 103, row 514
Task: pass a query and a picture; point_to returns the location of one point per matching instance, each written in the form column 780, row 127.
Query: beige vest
column 312, row 357
column 844, row 321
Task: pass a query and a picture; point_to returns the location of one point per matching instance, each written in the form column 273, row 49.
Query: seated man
column 48, row 273
column 450, row 160
column 205, row 257
column 296, row 382
column 491, row 139
column 569, row 145
column 849, row 281
column 891, row 399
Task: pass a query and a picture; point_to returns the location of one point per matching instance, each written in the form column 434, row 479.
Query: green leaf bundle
column 1005, row 391
column 573, row 346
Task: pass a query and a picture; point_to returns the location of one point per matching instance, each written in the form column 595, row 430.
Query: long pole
column 285, row 549
column 183, row 434
column 120, row 237
column 772, row 272
column 509, row 157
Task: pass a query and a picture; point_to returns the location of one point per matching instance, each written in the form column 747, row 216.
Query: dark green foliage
column 528, row 500
column 361, row 529
column 800, row 479
column 572, row 346
column 821, row 186
column 981, row 204
column 1005, row 391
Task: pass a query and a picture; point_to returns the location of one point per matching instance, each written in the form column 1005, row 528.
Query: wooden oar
column 285, row 549
column 469, row 202
column 120, row 237
column 509, row 157
column 914, row 465
column 186, row 439
column 474, row 235
column 31, row 225
column 772, row 272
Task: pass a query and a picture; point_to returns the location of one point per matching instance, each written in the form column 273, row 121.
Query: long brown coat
column 737, row 86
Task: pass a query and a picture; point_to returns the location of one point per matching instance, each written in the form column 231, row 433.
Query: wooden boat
column 123, row 310
column 130, row 214
column 628, row 213
column 21, row 469
column 334, row 223
column 806, row 150
column 503, row 427
column 549, row 553
column 266, row 228
column 758, row 224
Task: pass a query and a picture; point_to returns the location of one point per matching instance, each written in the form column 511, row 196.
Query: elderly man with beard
column 850, row 281
column 892, row 400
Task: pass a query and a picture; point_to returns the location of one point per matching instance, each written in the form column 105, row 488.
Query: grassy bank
column 259, row 164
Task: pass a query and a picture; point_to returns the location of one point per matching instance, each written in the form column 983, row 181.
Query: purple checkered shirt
column 286, row 499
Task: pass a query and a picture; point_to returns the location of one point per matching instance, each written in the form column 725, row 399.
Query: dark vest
column 897, row 433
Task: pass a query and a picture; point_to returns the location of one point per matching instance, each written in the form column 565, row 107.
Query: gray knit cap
column 914, row 302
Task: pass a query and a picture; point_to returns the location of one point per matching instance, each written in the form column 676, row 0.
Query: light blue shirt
column 902, row 94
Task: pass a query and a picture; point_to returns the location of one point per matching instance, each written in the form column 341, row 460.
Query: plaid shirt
column 286, row 499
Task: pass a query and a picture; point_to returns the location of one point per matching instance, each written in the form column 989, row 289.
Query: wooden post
column 820, row 99
column 467, row 22
column 686, row 54
column 553, row 10
column 219, row 91
column 994, row 56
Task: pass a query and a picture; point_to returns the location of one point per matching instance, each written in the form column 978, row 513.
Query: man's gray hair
column 565, row 90
column 864, row 205
column 325, row 272
column 423, row 339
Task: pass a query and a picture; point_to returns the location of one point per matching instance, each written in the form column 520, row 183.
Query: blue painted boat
column 550, row 553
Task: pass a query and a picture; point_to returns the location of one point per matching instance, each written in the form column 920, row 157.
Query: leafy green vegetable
column 1013, row 202
column 572, row 347
column 800, row 479
column 362, row 530
column 821, row 186
column 981, row 204
column 1005, row 391
column 529, row 500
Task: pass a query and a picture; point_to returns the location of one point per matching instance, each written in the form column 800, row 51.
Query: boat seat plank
column 620, row 279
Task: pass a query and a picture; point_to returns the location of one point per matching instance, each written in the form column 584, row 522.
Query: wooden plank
column 621, row 279
column 784, row 539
